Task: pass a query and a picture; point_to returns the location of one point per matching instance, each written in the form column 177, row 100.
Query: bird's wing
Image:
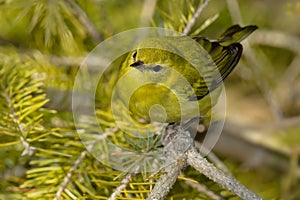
column 225, row 59
column 225, row 53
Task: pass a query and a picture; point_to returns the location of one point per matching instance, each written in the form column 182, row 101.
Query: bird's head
column 153, row 55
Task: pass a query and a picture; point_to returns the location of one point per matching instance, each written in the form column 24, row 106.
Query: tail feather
column 235, row 34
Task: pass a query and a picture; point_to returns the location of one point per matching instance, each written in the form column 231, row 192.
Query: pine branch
column 69, row 175
column 166, row 181
column 192, row 22
column 192, row 157
column 53, row 25
column 226, row 181
column 21, row 99
column 147, row 12
column 123, row 185
column 234, row 10
column 283, row 40
column 28, row 150
column 85, row 21
column 79, row 160
column 211, row 157
column 174, row 164
column 182, row 16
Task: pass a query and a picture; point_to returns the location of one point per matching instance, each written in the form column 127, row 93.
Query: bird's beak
column 139, row 64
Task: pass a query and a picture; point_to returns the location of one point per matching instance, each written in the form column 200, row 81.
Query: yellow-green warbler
column 174, row 78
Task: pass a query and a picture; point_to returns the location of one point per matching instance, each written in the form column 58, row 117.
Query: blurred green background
column 260, row 143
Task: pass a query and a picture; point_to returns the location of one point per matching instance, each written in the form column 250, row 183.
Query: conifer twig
column 203, row 189
column 85, row 21
column 147, row 12
column 28, row 149
column 234, row 10
column 123, row 185
column 69, row 175
column 191, row 23
column 283, row 40
column 251, row 57
column 78, row 161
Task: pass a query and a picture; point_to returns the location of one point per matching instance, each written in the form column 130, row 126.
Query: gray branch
column 176, row 144
column 165, row 182
column 180, row 151
column 226, row 181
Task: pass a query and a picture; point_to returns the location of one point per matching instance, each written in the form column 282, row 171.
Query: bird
column 175, row 78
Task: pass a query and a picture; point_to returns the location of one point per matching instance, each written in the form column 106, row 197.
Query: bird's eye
column 134, row 55
column 157, row 68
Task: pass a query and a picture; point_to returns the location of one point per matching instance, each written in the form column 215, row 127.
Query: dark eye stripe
column 157, row 68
